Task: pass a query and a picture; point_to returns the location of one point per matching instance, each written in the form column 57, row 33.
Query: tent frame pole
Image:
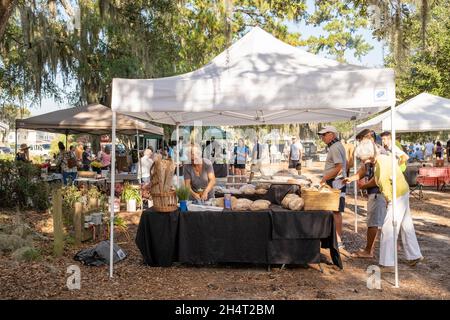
column 111, row 198
column 355, row 184
column 394, row 193
column 177, row 156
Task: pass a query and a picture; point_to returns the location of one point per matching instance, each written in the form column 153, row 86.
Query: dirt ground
column 46, row 278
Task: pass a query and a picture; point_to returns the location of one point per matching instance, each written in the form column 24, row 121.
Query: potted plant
column 183, row 194
column 131, row 196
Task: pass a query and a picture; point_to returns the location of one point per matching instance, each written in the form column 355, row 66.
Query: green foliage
column 130, row 193
column 183, row 193
column 27, row 254
column 71, row 194
column 21, row 185
column 94, row 193
column 425, row 69
column 148, row 39
column 340, row 20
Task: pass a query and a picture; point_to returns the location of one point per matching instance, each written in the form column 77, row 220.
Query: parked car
column 5, row 150
column 40, row 150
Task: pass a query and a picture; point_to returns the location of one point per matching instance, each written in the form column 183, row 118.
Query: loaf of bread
column 293, row 202
column 248, row 189
column 260, row 205
column 296, row 204
column 264, row 186
column 260, row 191
column 220, row 202
column 241, row 204
column 287, row 199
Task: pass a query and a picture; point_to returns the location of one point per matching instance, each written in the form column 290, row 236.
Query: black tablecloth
column 274, row 236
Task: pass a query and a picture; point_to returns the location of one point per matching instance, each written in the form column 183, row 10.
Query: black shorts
column 342, row 198
column 239, row 165
column 293, row 164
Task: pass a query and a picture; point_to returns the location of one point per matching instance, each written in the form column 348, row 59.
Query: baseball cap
column 328, row 129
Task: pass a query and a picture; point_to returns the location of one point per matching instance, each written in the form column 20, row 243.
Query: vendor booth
column 93, row 119
column 258, row 80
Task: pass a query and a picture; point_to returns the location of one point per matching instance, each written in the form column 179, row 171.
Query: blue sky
column 373, row 59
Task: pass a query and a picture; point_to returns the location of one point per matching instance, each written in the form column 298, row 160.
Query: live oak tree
column 141, row 39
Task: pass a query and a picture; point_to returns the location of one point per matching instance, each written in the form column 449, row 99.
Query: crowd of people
column 426, row 151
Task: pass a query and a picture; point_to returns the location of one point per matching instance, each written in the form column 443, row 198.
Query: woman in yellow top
column 367, row 153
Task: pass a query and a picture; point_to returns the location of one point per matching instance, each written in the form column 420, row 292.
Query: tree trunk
column 6, row 10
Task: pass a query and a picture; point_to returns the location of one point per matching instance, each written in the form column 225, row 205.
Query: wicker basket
column 165, row 202
column 316, row 200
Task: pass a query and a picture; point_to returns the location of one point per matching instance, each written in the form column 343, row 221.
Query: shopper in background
column 145, row 166
column 429, row 149
column 24, row 153
column 241, row 154
column 295, row 155
column 401, row 156
column 68, row 163
column 439, row 151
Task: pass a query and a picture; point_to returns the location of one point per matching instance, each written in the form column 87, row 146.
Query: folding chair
column 411, row 175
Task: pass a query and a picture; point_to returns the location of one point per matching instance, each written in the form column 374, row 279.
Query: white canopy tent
column 258, row 80
column 424, row 112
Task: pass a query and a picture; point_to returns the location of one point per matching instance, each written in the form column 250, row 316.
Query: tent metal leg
column 355, row 185
column 111, row 200
column 269, row 269
column 394, row 194
column 177, row 157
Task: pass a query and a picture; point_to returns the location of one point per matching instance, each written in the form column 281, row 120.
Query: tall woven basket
column 165, row 202
column 317, row 200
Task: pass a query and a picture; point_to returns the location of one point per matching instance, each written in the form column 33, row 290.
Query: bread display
column 241, row 204
column 248, row 189
column 260, row 205
column 261, row 191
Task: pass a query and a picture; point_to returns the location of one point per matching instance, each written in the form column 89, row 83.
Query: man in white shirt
column 401, row 156
column 145, row 165
column 273, row 150
column 295, row 155
column 429, row 148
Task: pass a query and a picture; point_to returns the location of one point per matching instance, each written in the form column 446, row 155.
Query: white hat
column 328, row 129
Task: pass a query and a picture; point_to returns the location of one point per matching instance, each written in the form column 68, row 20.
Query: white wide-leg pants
column 405, row 223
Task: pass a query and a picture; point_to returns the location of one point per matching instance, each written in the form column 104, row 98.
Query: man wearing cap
column 335, row 171
column 23, row 154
